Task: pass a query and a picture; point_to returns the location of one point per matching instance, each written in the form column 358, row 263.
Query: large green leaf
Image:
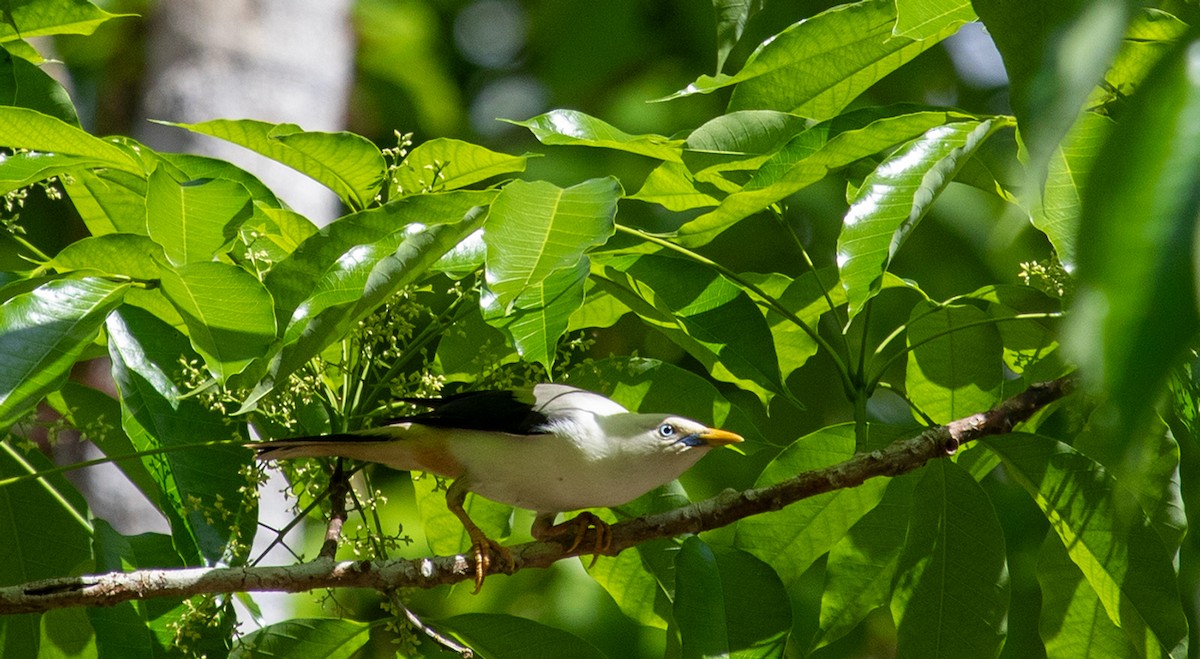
column 332, row 266
column 109, row 201
column 926, row 19
column 954, row 367
column 1073, row 620
column 539, row 316
column 122, row 254
column 448, row 164
column 952, row 595
column 732, row 16
column 229, row 314
column 810, row 156
column 574, row 128
column 1121, row 556
column 1136, row 308
column 729, row 604
column 499, row 636
column 805, row 297
column 204, row 493
column 793, row 538
column 672, row 186
column 1056, row 212
column 304, row 638
column 23, row 128
column 23, row 20
column 43, row 534
column 701, row 311
column 193, row 219
column 536, row 229
column 42, row 334
column 21, row 169
column 894, row 198
column 862, row 566
column 23, row 84
column 816, row 67
column 346, row 163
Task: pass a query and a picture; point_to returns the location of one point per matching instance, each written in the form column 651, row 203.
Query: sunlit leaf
column 123, row 254
column 192, row 220
column 810, row 156
column 43, row 333
column 536, row 229
column 894, row 199
column 573, row 128
column 954, row 367
column 229, row 313
column 1073, row 622
column 539, row 316
column 671, row 186
column 29, row 129
column 1057, row 211
column 23, row 20
column 816, row 67
column 448, row 164
column 925, row 19
column 346, row 163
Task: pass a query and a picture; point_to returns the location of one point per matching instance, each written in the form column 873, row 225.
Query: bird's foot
column 484, row 549
column 545, row 529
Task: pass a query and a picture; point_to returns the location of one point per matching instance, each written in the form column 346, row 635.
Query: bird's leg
column 544, row 528
column 481, row 545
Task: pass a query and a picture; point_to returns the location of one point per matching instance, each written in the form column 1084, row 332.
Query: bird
column 550, row 448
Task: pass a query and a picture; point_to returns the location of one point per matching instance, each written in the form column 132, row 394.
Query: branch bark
column 898, row 458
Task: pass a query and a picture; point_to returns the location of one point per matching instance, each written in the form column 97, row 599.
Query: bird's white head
column 658, row 434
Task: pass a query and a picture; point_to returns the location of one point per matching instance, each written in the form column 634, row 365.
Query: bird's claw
column 578, row 526
column 483, row 548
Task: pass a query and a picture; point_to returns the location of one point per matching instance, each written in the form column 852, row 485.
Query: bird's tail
column 397, row 447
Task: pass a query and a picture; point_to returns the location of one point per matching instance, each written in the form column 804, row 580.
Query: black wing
column 500, row 411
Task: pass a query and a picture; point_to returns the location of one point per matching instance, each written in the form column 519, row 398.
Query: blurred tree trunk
column 273, row 60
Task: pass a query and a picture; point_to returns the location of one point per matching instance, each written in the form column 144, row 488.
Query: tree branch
column 898, row 458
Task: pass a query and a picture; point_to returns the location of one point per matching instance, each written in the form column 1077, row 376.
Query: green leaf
column 203, row 489
column 894, row 198
column 193, row 219
column 23, row 84
column 729, row 604
column 1073, row 621
column 732, row 16
column 21, row 169
column 952, row 595
column 23, row 128
column 43, row 333
column 810, row 156
column 738, row 141
column 805, row 297
column 539, row 316
column 1106, row 534
column 191, row 167
column 122, row 254
column 307, row 638
column 926, row 19
column 346, row 163
column 954, row 366
column 499, row 636
column 109, row 201
column 448, row 164
column 23, row 20
column 45, row 535
column 471, row 348
column 1057, row 212
column 816, row 67
column 1081, row 36
column 671, row 186
column 536, row 229
column 702, row 312
column 1136, row 308
column 862, row 566
column 793, row 538
column 229, row 314
column 573, row 128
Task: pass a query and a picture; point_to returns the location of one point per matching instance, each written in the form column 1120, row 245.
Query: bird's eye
column 666, row 430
